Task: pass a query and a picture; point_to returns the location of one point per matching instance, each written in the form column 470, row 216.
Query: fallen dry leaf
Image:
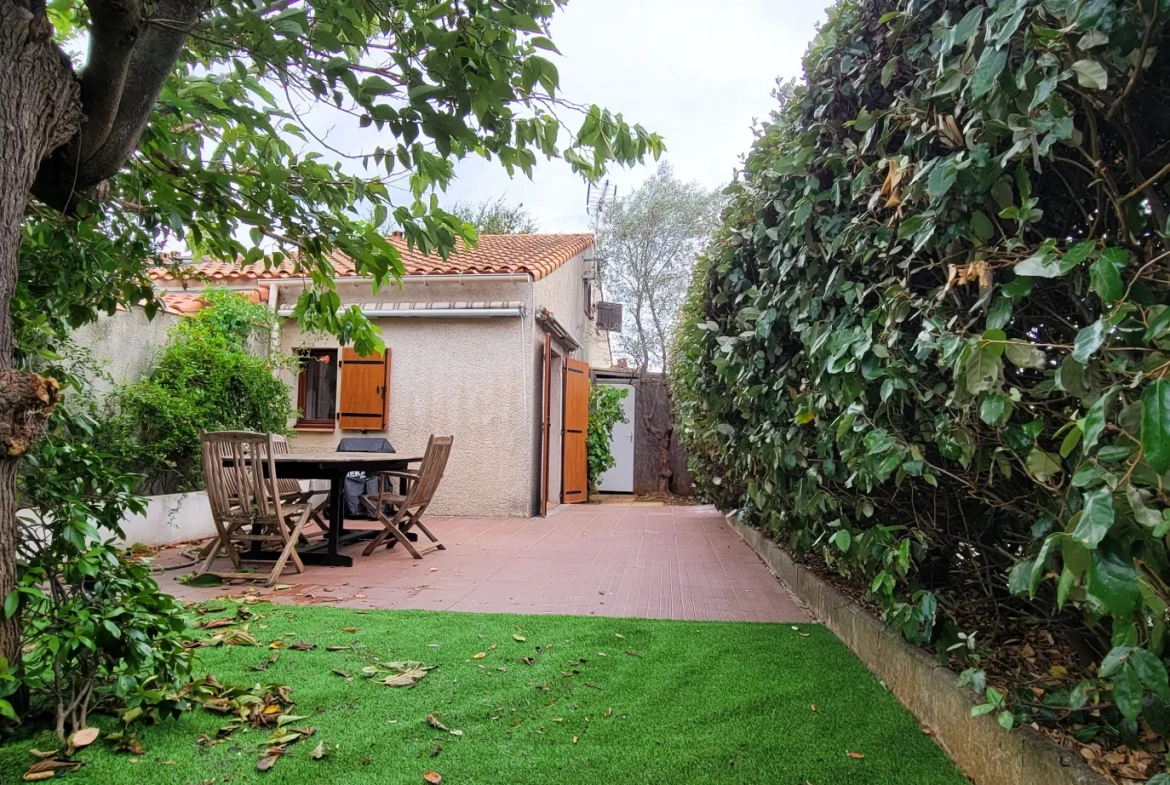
column 433, row 777
column 349, row 629
column 37, row 776
column 338, row 648
column 856, row 755
column 408, row 678
column 269, row 759
column 42, row 755
column 318, row 752
column 479, row 656
column 517, row 637
column 813, row 707
column 83, row 738
column 303, row 646
column 434, row 722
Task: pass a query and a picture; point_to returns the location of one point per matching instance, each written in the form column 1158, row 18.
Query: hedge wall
column 930, row 343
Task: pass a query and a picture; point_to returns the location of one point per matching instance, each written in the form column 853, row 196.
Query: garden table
column 333, row 466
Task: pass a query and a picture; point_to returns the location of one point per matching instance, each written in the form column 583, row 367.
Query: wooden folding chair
column 399, row 513
column 291, row 491
column 246, row 502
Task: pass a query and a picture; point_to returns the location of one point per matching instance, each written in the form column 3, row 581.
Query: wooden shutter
column 575, row 465
column 365, row 391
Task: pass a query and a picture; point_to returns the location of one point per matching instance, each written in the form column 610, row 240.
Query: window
column 317, row 389
column 360, row 402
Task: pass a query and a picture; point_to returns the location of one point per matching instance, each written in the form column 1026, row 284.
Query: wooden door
column 574, row 464
column 365, row 391
column 545, row 422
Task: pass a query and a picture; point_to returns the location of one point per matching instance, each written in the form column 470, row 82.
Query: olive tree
column 647, row 244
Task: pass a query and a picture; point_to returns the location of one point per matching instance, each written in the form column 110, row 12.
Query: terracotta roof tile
column 187, row 303
column 535, row 254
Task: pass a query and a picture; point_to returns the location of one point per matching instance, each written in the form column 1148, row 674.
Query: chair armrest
column 405, row 473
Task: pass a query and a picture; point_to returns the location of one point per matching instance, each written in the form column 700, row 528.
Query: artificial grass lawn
column 706, row 702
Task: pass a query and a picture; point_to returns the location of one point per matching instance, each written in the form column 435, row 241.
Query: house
column 492, row 345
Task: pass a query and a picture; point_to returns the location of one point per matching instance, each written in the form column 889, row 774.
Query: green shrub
column 206, row 378
column 605, row 411
column 930, row 343
column 96, row 631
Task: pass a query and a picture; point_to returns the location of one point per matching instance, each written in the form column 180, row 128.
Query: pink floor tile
column 605, row 560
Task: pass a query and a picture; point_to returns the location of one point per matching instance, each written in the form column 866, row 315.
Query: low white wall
column 173, row 517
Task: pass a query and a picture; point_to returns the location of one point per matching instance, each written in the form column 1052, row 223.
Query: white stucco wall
column 125, row 344
column 463, row 377
column 476, row 379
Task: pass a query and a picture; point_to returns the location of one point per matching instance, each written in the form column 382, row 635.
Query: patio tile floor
column 606, row 560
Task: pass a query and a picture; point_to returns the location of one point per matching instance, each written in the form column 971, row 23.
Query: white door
column 620, row 478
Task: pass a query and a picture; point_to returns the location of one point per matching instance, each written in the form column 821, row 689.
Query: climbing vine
column 930, row 345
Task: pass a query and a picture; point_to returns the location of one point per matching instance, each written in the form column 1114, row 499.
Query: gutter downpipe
column 274, row 333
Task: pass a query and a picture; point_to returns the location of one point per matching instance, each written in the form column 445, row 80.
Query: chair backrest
column 250, row 484
column 434, row 462
column 280, row 445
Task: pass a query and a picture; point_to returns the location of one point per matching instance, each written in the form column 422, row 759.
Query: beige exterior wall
column 478, row 379
column 125, row 345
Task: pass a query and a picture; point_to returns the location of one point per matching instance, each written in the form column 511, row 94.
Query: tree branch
column 153, row 55
column 114, row 27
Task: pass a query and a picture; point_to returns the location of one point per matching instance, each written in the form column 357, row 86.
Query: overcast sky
column 695, row 71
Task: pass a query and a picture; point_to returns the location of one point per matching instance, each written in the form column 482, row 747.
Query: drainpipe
column 274, row 333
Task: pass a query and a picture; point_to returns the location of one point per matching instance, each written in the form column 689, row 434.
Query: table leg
column 336, row 523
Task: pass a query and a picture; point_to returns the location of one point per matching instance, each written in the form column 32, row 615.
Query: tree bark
column 40, row 109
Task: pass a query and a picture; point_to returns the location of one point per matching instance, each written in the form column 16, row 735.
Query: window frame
column 315, row 424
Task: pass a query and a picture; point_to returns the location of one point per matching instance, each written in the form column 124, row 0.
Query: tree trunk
column 665, row 472
column 40, row 109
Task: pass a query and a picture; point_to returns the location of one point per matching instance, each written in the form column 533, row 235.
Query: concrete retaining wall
column 985, row 752
column 173, row 517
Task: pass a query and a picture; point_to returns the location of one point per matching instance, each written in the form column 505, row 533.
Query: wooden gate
column 575, row 465
column 365, row 394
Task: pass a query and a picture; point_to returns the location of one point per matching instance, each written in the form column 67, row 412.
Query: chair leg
column 290, row 550
column 391, row 529
column 222, row 539
column 438, row 545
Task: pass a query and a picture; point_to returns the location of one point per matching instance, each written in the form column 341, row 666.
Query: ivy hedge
column 930, row 343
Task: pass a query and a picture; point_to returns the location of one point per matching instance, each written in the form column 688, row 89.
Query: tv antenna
column 597, row 197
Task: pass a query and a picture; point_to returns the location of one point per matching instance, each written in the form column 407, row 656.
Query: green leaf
column 1096, row 518
column 1156, row 425
column 1088, row 341
column 1113, row 583
column 1105, row 280
column 1042, row 264
column 966, row 27
column 942, row 177
column 1152, row 672
column 984, row 368
column 11, row 603
column 1005, row 719
column 1024, row 355
column 990, row 64
column 1042, row 465
column 1127, row 692
column 1076, row 255
column 842, row 539
column 1094, row 424
column 1091, row 74
column 992, row 409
